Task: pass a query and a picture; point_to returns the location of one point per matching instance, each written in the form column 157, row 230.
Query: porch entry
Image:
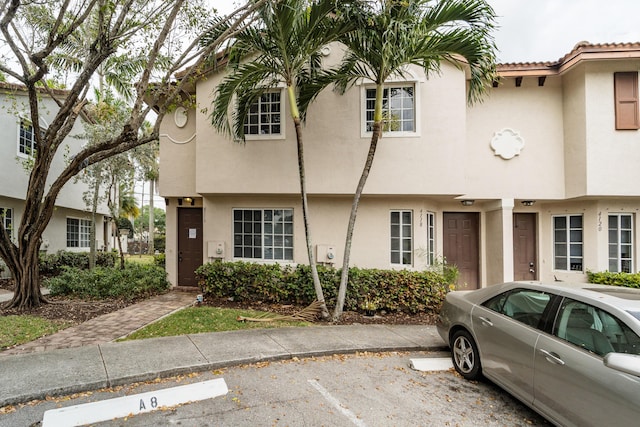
column 190, row 251
column 525, row 261
column 460, row 246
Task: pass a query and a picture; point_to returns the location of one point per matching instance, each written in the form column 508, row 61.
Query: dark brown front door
column 189, row 245
column 525, row 263
column 461, row 231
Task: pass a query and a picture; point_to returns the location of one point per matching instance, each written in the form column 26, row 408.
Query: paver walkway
column 111, row 326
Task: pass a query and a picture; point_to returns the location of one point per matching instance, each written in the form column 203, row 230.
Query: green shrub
column 403, row 291
column 133, row 282
column 630, row 280
column 160, row 260
column 52, row 264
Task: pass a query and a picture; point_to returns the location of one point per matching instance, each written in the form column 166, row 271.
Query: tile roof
column 581, row 51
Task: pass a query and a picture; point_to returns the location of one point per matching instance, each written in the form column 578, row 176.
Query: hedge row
column 53, row 264
column 133, row 282
column 630, row 280
column 400, row 291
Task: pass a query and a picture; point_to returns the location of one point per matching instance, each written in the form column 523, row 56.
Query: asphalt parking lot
column 364, row 389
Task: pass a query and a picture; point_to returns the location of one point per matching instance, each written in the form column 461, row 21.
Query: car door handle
column 552, row 357
column 486, row 320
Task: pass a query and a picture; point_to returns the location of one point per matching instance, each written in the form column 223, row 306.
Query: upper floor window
column 78, row 233
column 567, row 242
column 265, row 116
column 626, row 100
column 265, row 234
column 27, row 145
column 6, row 216
column 402, row 237
column 621, row 243
column 398, row 109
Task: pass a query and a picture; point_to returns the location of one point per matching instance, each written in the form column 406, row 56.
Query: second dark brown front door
column 525, row 263
column 190, row 250
column 461, row 231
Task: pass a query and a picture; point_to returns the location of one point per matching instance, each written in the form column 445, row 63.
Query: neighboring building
column 70, row 225
column 540, row 181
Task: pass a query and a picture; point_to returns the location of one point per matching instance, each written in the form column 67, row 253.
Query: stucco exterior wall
column 535, row 114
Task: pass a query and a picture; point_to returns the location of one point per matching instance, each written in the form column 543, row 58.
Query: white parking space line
column 429, row 364
column 121, row 407
column 336, row 404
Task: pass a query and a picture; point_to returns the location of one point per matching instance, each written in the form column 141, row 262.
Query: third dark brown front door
column 461, row 231
column 525, row 263
column 190, row 250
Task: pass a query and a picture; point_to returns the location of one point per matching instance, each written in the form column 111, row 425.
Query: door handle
column 552, row 357
column 531, row 269
column 180, row 257
column 486, row 320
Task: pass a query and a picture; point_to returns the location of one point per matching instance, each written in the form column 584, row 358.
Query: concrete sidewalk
column 40, row 374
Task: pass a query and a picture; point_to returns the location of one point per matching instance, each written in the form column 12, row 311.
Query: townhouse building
column 70, row 226
column 540, row 181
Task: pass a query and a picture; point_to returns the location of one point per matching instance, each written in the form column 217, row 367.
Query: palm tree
column 394, row 34
column 284, row 48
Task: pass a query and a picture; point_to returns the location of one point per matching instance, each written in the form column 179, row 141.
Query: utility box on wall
column 325, row 254
column 215, row 249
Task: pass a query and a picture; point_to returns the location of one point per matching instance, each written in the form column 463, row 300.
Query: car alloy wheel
column 465, row 356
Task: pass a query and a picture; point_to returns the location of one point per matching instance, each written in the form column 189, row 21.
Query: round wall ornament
column 180, row 116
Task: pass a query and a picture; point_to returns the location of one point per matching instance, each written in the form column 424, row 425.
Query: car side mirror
column 628, row 363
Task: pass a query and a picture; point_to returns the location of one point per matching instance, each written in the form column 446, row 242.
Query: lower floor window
column 263, row 234
column 402, row 237
column 567, row 242
column 6, row 216
column 621, row 243
column 78, row 233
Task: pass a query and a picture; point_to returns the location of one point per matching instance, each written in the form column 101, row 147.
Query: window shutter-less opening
column 626, row 99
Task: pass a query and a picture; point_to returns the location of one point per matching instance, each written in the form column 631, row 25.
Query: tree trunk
column 94, row 209
column 26, row 275
column 305, row 206
column 152, row 226
column 344, row 277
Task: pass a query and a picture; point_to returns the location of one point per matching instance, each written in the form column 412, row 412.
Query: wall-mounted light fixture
column 188, row 200
column 467, row 202
column 528, row 202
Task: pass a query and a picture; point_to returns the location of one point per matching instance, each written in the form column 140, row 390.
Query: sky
column 546, row 30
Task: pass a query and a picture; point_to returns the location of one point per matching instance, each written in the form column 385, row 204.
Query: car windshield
column 635, row 314
column 619, row 292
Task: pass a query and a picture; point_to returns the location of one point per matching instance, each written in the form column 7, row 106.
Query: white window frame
column 397, row 240
column 569, row 242
column 24, row 123
column 616, row 246
column 430, row 219
column 270, row 136
column 415, row 84
column 7, row 220
column 269, row 234
column 83, row 233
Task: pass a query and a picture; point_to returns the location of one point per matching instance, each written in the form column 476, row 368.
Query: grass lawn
column 140, row 259
column 15, row 330
column 194, row 320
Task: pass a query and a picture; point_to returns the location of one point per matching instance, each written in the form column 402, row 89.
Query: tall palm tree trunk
column 375, row 137
column 305, row 207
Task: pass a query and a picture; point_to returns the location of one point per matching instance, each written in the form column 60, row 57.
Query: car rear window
column 524, row 305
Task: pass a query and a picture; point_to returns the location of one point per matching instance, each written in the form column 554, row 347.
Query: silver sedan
column 569, row 351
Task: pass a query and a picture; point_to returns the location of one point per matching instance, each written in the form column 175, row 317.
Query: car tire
column 465, row 355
